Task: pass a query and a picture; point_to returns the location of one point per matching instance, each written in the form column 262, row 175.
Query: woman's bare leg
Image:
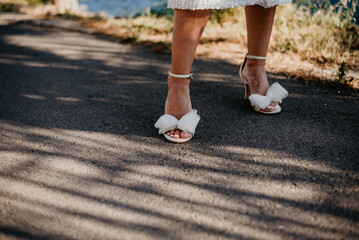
column 188, row 28
column 259, row 28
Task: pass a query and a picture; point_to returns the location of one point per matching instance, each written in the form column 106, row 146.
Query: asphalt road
column 81, row 159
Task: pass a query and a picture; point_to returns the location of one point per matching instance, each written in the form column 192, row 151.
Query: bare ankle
column 173, row 80
column 178, row 84
column 255, row 64
column 256, row 76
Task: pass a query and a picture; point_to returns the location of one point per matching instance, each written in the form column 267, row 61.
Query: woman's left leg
column 259, row 28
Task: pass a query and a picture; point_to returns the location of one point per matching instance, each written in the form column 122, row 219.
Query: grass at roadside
column 321, row 46
column 310, row 47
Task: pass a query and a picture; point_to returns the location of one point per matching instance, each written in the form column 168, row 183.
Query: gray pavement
column 80, row 158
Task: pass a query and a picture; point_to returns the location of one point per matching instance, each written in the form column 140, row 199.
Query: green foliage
column 39, row 2
column 97, row 18
column 160, row 9
column 222, row 15
column 345, row 9
column 318, row 31
column 9, row 7
column 69, row 16
column 342, row 71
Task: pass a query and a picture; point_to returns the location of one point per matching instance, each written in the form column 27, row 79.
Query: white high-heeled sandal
column 275, row 93
column 187, row 123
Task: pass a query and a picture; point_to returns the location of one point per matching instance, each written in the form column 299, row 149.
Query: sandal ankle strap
column 255, row 57
column 181, row 76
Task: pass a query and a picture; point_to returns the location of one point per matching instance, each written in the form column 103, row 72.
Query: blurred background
column 311, row 40
column 133, row 7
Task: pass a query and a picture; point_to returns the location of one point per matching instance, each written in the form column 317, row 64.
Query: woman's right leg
column 187, row 31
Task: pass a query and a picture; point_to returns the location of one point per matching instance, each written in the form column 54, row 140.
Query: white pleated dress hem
column 221, row 4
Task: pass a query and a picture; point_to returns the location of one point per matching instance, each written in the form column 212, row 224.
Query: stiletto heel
column 187, row 123
column 246, row 92
column 275, row 93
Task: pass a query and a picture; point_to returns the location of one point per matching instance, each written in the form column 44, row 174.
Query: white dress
column 221, row 4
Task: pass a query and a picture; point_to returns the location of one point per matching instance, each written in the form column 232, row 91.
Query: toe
column 172, row 132
column 185, row 135
column 274, row 104
column 176, row 134
column 268, row 109
column 272, row 107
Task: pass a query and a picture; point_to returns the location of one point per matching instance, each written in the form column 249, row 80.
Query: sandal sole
column 177, row 140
